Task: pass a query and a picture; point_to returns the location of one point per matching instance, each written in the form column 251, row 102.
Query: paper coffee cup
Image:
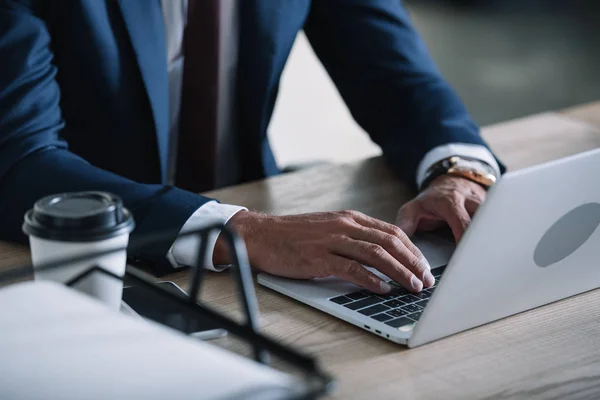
column 77, row 224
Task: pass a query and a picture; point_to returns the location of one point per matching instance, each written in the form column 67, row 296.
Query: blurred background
column 505, row 58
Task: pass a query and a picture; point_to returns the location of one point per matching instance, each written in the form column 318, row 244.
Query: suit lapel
column 144, row 22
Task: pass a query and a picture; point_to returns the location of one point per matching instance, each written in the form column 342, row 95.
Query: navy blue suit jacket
column 84, row 97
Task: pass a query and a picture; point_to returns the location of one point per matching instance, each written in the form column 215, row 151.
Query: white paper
column 56, row 343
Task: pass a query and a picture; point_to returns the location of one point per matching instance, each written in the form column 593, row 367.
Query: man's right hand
column 326, row 244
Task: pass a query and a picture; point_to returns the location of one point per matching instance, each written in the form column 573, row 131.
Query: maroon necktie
column 197, row 142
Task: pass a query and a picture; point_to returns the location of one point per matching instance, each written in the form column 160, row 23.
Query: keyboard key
column 437, row 272
column 401, row 300
column 398, row 312
column 382, row 317
column 369, row 293
column 341, row 300
column 369, row 301
column 357, row 295
column 398, row 322
column 414, row 316
column 410, row 298
column 398, row 290
column 376, row 309
column 394, row 303
column 423, row 294
column 389, row 296
column 411, row 308
column 421, row 303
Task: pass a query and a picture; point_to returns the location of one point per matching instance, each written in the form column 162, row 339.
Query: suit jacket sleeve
column 35, row 161
column 386, row 77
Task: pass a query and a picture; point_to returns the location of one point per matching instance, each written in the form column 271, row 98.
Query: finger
column 472, row 205
column 457, row 217
column 397, row 249
column 376, row 256
column 353, row 272
column 370, row 222
column 407, row 220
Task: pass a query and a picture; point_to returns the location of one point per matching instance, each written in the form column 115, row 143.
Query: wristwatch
column 469, row 168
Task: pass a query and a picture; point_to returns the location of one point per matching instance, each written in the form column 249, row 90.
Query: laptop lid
column 534, row 241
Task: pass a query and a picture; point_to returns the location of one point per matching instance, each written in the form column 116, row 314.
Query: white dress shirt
column 184, row 251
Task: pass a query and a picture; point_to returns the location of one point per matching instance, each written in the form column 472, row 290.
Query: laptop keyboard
column 398, row 308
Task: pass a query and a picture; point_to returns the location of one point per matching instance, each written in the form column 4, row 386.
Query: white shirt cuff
column 439, row 153
column 184, row 251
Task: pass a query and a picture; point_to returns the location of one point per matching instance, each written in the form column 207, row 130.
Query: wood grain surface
column 548, row 353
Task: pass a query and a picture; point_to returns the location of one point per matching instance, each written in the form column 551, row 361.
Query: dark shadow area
column 509, row 58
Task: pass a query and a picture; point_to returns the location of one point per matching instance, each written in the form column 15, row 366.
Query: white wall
column 310, row 121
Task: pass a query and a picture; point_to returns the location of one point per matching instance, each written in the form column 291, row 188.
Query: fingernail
column 428, row 279
column 385, row 287
column 416, row 283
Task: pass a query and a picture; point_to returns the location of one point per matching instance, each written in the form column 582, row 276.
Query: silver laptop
column 534, row 241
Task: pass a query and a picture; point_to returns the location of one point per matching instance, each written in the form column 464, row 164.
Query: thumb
column 407, row 220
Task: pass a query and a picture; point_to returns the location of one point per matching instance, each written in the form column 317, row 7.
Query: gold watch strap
column 472, row 169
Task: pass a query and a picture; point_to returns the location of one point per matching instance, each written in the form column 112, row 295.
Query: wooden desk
column 551, row 352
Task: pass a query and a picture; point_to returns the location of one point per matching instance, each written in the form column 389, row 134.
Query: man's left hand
column 447, row 200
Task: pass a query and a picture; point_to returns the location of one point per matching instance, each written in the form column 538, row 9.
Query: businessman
column 157, row 101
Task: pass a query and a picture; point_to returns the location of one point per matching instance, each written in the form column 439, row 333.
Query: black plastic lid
column 78, row 217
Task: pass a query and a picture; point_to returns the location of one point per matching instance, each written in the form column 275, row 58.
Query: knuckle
column 453, row 200
column 456, row 194
column 392, row 241
column 355, row 269
column 344, row 222
column 348, row 213
column 376, row 250
column 396, row 231
column 337, row 238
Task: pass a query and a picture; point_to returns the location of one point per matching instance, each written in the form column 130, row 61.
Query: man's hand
column 331, row 244
column 447, row 200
